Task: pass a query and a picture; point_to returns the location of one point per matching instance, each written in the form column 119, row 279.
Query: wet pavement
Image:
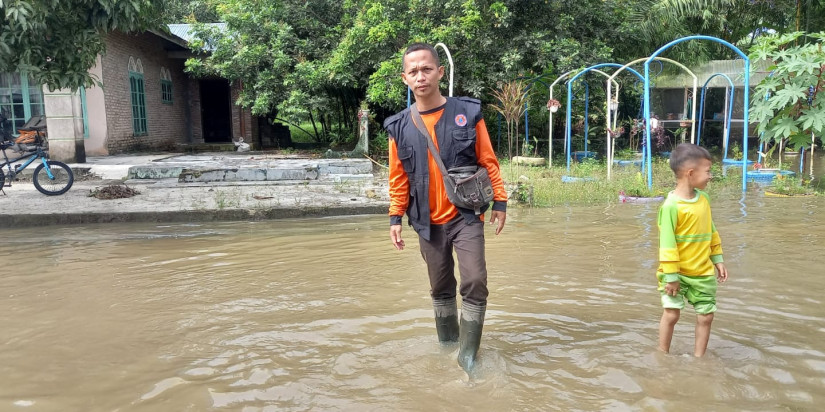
column 203, row 187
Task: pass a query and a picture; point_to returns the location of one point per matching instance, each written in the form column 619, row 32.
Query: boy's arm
column 715, row 245
column 668, row 252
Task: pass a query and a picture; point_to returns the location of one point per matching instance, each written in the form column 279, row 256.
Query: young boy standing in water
column 689, row 248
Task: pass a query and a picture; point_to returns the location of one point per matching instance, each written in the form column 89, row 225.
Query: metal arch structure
column 609, row 114
column 550, row 117
column 746, row 103
column 728, row 109
column 452, row 68
column 570, row 93
column 552, row 85
column 586, row 119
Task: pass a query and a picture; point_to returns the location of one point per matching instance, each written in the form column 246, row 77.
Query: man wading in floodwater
column 456, row 129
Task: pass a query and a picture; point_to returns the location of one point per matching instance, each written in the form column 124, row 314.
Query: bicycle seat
column 36, row 123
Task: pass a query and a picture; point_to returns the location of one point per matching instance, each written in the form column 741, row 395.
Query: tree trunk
column 314, row 127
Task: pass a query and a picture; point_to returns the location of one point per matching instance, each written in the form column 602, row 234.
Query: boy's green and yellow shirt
column 689, row 244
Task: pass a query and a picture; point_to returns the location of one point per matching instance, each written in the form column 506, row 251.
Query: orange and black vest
column 456, row 134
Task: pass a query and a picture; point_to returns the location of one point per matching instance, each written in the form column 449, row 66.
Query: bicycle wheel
column 2, row 179
column 62, row 181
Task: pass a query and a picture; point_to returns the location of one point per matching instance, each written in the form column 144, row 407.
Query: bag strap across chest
column 419, row 124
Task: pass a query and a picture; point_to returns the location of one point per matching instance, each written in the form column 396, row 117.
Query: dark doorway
column 216, row 113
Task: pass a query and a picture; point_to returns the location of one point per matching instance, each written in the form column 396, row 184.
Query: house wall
column 166, row 124
column 96, row 109
column 195, row 110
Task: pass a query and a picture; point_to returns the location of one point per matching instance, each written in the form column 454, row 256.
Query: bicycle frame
column 39, row 153
column 32, row 157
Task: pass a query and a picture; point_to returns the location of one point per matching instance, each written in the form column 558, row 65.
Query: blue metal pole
column 647, row 125
column 729, row 112
column 644, row 159
column 746, row 107
column 567, row 126
column 727, row 119
column 701, row 114
column 409, row 92
column 801, row 159
column 586, row 115
column 760, row 150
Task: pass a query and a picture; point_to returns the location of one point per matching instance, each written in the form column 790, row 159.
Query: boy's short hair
column 421, row 46
column 685, row 154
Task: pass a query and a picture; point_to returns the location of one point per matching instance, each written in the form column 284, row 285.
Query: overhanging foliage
column 57, row 41
column 795, row 104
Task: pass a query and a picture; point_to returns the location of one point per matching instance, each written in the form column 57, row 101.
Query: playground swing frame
column 612, row 126
column 552, row 85
column 729, row 99
column 594, row 68
column 746, row 98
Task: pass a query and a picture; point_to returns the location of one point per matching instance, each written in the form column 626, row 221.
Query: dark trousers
column 468, row 242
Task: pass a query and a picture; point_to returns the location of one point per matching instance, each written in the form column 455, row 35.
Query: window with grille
column 138, row 95
column 21, row 98
column 165, row 86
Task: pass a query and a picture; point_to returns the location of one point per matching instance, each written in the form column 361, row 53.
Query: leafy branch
column 793, row 107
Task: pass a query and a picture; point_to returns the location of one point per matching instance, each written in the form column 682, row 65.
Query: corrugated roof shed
column 184, row 31
column 732, row 68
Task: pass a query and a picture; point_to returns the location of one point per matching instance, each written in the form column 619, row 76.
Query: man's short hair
column 421, row 46
column 685, row 154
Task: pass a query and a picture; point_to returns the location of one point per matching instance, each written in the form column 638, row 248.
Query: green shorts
column 700, row 291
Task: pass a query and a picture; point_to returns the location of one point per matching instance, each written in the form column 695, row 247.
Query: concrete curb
column 8, row 221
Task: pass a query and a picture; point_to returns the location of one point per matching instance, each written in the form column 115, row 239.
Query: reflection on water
column 324, row 314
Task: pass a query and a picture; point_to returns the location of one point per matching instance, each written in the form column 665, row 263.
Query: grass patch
column 790, row 186
column 299, row 136
column 543, row 186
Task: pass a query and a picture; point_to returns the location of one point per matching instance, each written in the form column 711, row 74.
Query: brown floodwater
column 323, row 314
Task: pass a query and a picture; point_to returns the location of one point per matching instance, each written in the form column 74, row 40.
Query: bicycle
column 50, row 177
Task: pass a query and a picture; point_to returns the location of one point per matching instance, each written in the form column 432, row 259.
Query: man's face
column 421, row 73
column 700, row 174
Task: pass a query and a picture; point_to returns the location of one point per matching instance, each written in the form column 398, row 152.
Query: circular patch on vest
column 461, row 120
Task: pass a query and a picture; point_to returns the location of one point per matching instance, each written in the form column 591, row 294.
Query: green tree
column 657, row 22
column 277, row 51
column 491, row 41
column 57, row 41
column 795, row 105
column 180, row 11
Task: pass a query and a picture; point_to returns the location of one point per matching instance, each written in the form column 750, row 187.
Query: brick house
column 147, row 102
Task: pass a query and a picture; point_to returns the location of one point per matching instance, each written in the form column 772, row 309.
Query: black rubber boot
column 472, row 321
column 446, row 320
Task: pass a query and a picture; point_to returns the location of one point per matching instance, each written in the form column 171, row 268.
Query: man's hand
column 672, row 288
column 501, row 217
column 721, row 272
column 395, row 237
